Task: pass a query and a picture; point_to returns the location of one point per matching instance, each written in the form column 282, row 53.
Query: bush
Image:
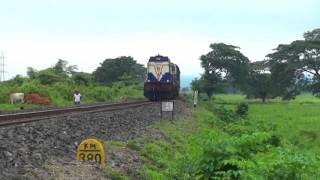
column 48, row 77
column 225, row 114
column 34, row 87
column 225, row 157
column 98, row 93
column 242, row 109
column 5, row 91
column 285, row 163
column 81, row 78
column 253, row 156
column 228, row 115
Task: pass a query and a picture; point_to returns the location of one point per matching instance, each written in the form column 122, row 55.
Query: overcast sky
column 37, row 33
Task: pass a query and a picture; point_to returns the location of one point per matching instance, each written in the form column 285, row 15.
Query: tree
column 284, row 77
column 210, row 83
column 62, row 68
column 203, row 85
column 314, row 35
column 259, row 85
column 58, row 73
column 223, row 64
column 49, row 76
column 82, row 78
column 195, row 84
column 31, row 72
column 291, row 62
column 207, row 84
column 18, row 79
column 119, row 69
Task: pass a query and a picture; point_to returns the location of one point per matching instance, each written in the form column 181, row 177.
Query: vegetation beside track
column 61, row 94
column 274, row 140
column 59, row 83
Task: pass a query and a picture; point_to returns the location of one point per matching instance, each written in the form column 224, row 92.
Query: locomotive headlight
column 168, row 80
column 148, row 80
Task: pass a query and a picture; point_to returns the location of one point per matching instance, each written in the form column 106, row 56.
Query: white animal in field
column 14, row 97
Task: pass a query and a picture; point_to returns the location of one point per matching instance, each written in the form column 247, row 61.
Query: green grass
column 168, row 158
column 277, row 140
column 305, row 98
column 61, row 94
column 16, row 106
column 296, row 122
column 229, row 98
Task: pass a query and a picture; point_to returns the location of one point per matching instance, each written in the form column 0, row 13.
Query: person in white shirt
column 77, row 97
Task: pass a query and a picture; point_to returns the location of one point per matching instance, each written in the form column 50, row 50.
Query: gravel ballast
column 28, row 146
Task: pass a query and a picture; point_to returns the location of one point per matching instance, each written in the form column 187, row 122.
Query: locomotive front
column 162, row 79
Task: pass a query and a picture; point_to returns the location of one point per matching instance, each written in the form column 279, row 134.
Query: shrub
column 285, row 163
column 228, row 115
column 226, row 157
column 34, row 87
column 99, row 93
column 47, row 77
column 152, row 174
column 225, row 114
column 5, row 91
column 81, row 78
column 64, row 89
column 242, row 109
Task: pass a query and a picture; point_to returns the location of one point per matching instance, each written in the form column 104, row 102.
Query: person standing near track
column 77, row 97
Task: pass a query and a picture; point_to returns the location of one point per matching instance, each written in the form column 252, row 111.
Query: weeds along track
column 25, row 117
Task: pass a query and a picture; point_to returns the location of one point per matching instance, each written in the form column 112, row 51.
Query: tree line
column 112, row 79
column 111, row 70
column 289, row 70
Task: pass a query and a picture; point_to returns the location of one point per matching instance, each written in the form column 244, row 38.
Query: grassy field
column 61, row 95
column 276, row 140
column 273, row 140
column 16, row 106
column 297, row 121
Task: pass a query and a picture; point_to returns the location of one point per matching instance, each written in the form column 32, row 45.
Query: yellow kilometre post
column 91, row 150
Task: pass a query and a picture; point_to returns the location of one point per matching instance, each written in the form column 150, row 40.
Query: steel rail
column 25, row 117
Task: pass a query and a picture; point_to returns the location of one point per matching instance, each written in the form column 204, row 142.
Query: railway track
column 25, row 117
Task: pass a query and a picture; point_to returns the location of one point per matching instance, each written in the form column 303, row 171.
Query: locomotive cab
column 162, row 79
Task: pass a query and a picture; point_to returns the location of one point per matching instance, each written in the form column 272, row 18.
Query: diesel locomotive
column 162, row 79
